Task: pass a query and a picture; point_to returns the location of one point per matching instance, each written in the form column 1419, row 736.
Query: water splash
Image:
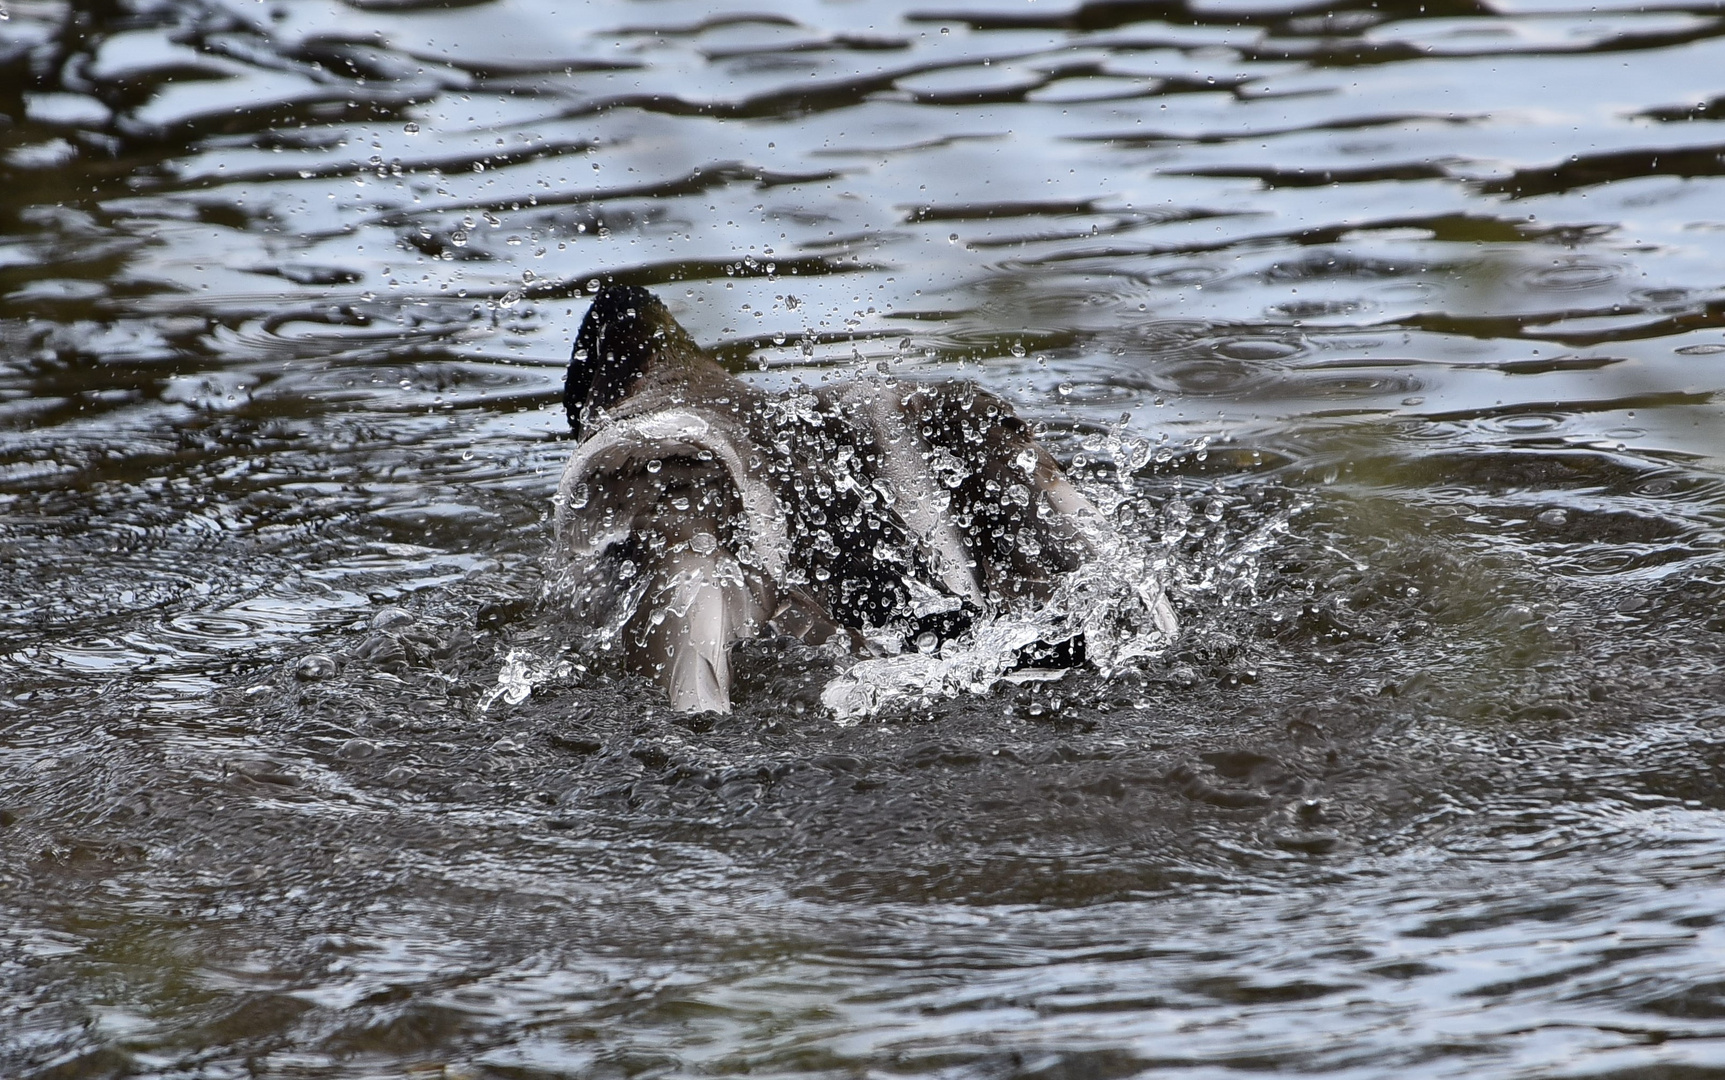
column 1153, row 543
column 523, row 670
column 514, row 681
column 1117, row 603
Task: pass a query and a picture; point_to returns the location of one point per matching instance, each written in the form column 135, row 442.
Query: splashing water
column 1116, row 602
column 522, row 670
column 514, row 681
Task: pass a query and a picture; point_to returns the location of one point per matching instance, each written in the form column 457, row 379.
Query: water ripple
column 1418, row 382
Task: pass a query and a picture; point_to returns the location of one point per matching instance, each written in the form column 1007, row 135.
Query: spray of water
column 1116, row 602
column 1151, row 551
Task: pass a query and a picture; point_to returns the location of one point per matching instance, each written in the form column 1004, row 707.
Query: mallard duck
column 698, row 511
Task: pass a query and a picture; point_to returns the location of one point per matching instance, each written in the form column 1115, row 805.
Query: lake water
column 1398, row 328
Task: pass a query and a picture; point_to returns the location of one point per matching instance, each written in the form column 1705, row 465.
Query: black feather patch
column 623, row 329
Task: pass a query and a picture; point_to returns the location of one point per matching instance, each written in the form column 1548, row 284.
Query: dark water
column 1405, row 319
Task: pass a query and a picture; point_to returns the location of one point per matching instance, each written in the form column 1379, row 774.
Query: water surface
column 1398, row 326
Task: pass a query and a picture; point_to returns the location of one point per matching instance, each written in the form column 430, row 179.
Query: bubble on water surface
column 391, row 618
column 315, row 668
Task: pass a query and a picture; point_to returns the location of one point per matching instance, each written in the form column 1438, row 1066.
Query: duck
column 698, row 511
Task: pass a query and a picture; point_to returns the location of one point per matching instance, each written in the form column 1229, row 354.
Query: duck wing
column 1021, row 521
column 852, row 552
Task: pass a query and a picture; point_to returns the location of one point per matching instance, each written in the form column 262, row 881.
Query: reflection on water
column 1405, row 319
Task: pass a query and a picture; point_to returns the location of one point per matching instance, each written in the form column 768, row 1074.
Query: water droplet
column 411, row 128
column 1018, row 348
column 655, row 465
column 952, row 238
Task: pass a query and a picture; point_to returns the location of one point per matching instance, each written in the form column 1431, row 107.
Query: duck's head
column 626, row 333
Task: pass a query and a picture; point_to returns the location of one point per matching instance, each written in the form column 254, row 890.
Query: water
column 1411, row 316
